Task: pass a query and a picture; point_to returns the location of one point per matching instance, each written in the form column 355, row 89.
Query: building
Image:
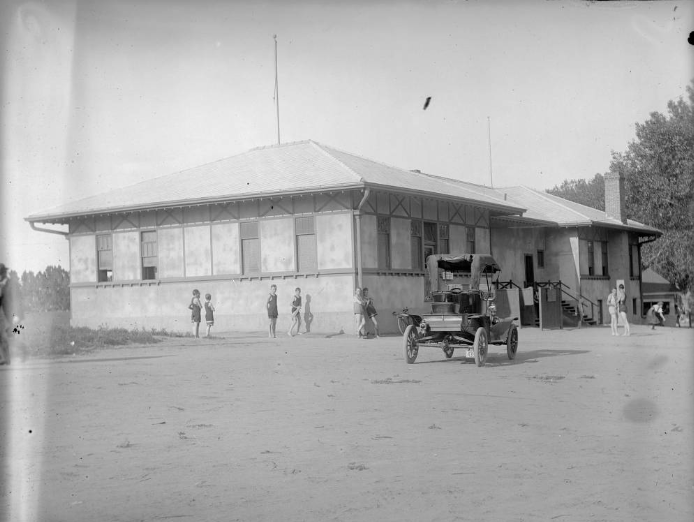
column 657, row 289
column 310, row 216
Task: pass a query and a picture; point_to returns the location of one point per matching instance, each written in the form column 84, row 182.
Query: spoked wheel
column 512, row 342
column 410, row 344
column 403, row 323
column 448, row 349
column 481, row 346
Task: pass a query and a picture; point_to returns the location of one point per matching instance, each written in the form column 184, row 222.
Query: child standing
column 195, row 307
column 272, row 310
column 359, row 312
column 370, row 309
column 209, row 313
column 296, row 313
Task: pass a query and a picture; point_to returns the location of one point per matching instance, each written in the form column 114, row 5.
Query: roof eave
column 50, row 218
column 500, row 207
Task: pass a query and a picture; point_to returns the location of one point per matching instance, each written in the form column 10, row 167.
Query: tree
column 658, row 168
column 46, row 291
column 589, row 193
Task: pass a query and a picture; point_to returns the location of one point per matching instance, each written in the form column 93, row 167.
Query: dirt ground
column 582, row 426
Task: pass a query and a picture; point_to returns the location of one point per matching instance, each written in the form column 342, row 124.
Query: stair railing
column 581, row 301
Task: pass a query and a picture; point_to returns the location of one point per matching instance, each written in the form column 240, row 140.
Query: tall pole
column 489, row 138
column 277, row 92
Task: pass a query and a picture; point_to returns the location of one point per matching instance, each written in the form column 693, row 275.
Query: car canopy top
column 475, row 264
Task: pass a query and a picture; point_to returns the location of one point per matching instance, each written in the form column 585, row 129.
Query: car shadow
column 501, row 359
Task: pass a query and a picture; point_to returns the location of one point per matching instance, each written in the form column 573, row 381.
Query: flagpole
column 277, row 92
column 489, row 138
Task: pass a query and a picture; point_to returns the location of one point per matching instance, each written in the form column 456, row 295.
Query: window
column 633, row 306
column 149, row 254
column 540, row 259
column 470, row 240
column 104, row 248
column 250, row 247
column 306, row 254
column 416, row 244
column 605, row 270
column 591, row 258
column 443, row 239
column 383, row 242
column 430, row 240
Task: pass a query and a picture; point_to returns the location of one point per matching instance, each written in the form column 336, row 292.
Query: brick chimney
column 615, row 196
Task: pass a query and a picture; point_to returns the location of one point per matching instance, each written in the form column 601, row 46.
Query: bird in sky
column 426, row 103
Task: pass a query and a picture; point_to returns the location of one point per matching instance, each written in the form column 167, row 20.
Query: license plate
column 470, row 354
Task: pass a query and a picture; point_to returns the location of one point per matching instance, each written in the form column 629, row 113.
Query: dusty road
column 582, row 426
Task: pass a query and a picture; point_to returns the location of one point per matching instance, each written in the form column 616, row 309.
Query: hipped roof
column 293, row 168
column 544, row 208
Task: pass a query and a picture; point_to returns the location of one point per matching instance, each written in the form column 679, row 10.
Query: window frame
column 149, row 272
column 248, row 234
column 304, row 231
column 104, row 275
column 383, row 234
column 416, row 246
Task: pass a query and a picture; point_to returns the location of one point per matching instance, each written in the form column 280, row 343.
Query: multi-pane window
column 605, row 270
column 416, row 244
column 470, row 240
column 149, row 254
column 104, row 248
column 540, row 259
column 250, row 247
column 430, row 240
column 383, row 242
column 591, row 258
column 443, row 239
column 306, row 254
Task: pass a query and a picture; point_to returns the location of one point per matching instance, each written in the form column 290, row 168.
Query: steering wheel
column 456, row 291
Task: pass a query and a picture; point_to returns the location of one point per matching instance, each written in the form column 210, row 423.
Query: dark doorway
column 529, row 270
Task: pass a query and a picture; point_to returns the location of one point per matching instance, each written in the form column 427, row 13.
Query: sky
column 98, row 95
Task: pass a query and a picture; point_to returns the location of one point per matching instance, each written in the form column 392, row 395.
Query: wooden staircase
column 571, row 315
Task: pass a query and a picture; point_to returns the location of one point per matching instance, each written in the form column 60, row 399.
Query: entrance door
column 529, row 270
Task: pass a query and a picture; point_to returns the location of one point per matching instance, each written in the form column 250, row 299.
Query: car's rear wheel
column 481, row 346
column 512, row 342
column 410, row 344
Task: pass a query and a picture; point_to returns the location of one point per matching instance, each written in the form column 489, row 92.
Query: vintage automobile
column 462, row 317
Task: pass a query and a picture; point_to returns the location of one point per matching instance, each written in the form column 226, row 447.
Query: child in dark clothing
column 209, row 313
column 272, row 311
column 296, row 313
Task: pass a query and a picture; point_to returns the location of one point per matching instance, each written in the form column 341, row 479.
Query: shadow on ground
column 501, row 359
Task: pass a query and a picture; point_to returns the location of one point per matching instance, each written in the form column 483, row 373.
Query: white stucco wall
column 226, row 257
column 198, row 250
column 170, row 247
column 277, row 245
column 334, row 241
column 126, row 256
column 83, row 259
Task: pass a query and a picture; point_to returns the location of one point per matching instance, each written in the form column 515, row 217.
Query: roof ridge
column 551, row 198
column 323, row 150
column 477, row 185
column 277, row 145
column 443, row 178
column 364, row 158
